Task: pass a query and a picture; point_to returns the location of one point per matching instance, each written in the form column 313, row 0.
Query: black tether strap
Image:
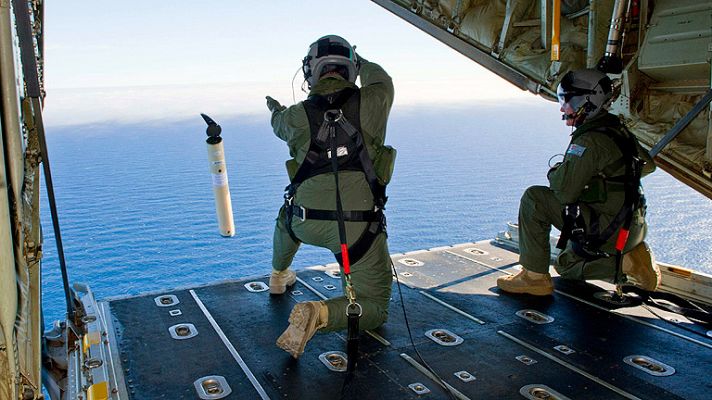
column 698, row 315
column 353, row 310
column 353, row 313
column 673, row 303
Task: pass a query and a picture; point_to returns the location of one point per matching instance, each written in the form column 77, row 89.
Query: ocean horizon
column 137, row 212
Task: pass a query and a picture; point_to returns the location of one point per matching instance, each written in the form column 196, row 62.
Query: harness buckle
column 302, row 217
column 333, row 115
column 354, row 310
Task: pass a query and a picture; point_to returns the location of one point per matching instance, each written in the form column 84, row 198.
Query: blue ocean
column 137, row 210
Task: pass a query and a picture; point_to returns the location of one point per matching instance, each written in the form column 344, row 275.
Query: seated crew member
column 591, row 195
column 310, row 213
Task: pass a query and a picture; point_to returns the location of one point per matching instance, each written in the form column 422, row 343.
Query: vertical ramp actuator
column 218, row 170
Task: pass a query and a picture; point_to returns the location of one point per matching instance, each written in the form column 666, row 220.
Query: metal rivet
column 166, row 300
column 535, row 316
column 317, row 279
column 183, row 331
column 334, row 360
column 329, row 287
column 297, row 292
column 465, row 376
column 406, row 274
column 256, row 287
column 175, row 313
column 212, row 387
column 475, row 251
column 526, row 360
column 612, row 297
column 444, row 337
column 649, row 365
column 411, row 262
column 564, row 349
column 419, row 388
column 538, row 391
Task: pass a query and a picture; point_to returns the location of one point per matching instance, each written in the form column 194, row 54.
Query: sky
column 147, row 59
column 169, row 60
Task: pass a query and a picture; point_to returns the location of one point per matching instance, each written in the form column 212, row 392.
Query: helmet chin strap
column 567, row 117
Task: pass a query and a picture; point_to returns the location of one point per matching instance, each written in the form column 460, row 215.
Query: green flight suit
column 591, row 157
column 371, row 275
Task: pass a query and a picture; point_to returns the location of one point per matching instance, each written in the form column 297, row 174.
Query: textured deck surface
column 434, row 283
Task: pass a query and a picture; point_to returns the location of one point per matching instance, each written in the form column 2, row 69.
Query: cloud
column 178, row 102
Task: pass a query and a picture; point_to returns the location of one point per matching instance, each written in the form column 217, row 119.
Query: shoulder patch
column 575, row 150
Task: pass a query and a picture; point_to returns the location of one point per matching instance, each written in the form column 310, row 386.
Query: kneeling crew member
column 336, row 115
column 594, row 197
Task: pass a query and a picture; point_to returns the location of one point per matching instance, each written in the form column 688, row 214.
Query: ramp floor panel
column 445, row 289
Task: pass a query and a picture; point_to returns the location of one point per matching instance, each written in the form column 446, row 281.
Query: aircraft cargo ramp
column 217, row 341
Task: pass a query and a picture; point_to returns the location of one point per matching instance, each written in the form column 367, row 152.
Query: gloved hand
column 273, row 105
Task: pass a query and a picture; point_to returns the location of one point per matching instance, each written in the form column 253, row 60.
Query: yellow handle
column 555, row 30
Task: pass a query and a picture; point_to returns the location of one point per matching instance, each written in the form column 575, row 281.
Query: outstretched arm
column 287, row 122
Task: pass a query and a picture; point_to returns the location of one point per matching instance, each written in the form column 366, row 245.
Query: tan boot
column 640, row 267
column 527, row 282
column 306, row 318
column 279, row 280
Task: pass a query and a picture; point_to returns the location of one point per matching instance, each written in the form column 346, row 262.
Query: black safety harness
column 336, row 113
column 337, row 145
column 588, row 244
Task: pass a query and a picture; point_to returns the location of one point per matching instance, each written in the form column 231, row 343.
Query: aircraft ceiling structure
column 665, row 53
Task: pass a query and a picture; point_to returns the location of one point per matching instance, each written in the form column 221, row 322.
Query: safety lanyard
column 353, row 309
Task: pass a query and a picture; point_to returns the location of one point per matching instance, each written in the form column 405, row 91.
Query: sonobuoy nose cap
column 213, row 130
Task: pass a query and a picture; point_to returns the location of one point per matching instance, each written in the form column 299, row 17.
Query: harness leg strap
column 364, row 242
column 289, row 215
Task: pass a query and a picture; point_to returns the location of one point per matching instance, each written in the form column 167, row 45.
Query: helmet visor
column 328, row 48
column 563, row 96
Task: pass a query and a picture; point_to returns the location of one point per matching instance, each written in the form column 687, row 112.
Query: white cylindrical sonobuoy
column 218, row 170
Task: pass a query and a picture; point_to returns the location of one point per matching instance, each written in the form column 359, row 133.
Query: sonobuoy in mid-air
column 218, row 170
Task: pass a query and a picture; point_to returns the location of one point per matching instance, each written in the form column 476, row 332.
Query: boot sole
column 534, row 292
column 300, row 320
